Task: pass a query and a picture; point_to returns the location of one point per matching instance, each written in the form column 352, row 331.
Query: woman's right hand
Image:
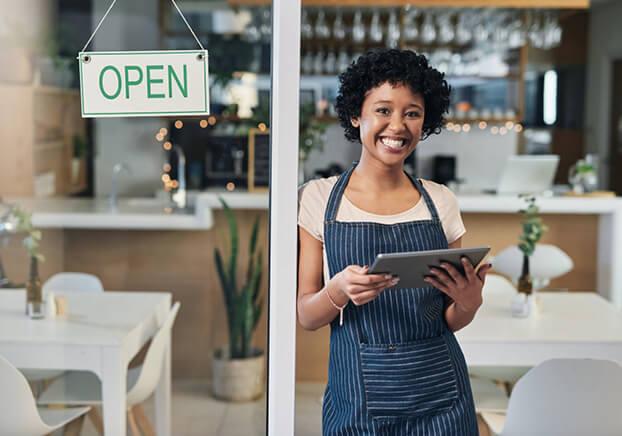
column 354, row 283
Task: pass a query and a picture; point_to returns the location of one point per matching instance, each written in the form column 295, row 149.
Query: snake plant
column 242, row 300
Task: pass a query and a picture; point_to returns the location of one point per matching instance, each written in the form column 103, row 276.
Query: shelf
column 54, row 144
column 536, row 4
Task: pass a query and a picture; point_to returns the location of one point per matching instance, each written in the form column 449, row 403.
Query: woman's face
column 391, row 122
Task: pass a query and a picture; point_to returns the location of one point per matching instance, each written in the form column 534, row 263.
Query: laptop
column 528, row 174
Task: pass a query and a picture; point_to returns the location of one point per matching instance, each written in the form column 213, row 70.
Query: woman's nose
column 396, row 123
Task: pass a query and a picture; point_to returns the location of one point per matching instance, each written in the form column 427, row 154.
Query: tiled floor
column 196, row 412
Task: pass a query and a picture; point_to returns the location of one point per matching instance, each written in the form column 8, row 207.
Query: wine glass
column 517, row 36
column 358, row 28
column 375, row 28
column 428, row 29
column 265, row 28
column 339, row 28
column 446, row 31
column 322, row 31
column 318, row 63
column 343, row 60
column 307, row 63
column 306, row 29
column 481, row 31
column 411, row 31
column 251, row 32
column 464, row 32
column 535, row 34
column 393, row 30
column 330, row 63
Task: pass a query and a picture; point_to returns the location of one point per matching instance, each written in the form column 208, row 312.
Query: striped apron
column 395, row 368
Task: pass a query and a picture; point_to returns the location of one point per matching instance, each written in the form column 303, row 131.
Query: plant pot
column 76, row 163
column 237, row 379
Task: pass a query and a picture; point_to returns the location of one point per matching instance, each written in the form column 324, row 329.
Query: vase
column 34, row 296
column 237, row 379
column 523, row 304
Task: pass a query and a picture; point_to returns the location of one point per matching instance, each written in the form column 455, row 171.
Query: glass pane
column 134, row 204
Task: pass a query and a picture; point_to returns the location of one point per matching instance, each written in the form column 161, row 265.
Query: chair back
column 19, row 415
column 496, row 284
column 154, row 359
column 569, row 397
column 73, row 282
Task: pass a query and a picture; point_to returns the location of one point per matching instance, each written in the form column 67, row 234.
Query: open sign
column 144, row 83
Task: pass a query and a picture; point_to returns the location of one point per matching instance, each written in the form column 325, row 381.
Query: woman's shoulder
column 437, row 190
column 317, row 190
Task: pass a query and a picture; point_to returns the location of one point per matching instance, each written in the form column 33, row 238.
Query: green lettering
column 129, row 82
column 101, row 82
column 171, row 75
column 151, row 81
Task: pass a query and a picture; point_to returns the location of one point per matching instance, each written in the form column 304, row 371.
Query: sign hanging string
column 112, row 5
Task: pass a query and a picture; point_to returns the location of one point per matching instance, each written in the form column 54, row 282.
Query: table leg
column 114, row 393
column 163, row 396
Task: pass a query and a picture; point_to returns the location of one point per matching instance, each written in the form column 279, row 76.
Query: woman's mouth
column 394, row 145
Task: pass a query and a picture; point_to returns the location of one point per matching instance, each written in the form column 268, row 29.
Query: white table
column 102, row 333
column 566, row 325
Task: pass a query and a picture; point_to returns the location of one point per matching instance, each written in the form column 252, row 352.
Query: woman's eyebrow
column 417, row 105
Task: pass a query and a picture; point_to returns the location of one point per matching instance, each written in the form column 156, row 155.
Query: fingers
column 357, row 275
column 455, row 275
column 353, row 290
column 439, row 285
column 483, row 270
column 469, row 271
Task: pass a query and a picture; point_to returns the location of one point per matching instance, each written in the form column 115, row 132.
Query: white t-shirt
column 313, row 197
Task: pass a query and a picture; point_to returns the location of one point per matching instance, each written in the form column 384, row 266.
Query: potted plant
column 533, row 229
column 79, row 152
column 312, row 136
column 34, row 296
column 238, row 369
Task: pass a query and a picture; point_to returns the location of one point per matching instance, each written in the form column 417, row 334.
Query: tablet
column 412, row 267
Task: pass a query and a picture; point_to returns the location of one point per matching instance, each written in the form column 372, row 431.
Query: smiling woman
column 395, row 366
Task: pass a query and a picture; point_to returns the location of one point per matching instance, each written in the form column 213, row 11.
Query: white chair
column 546, row 263
column 84, row 388
column 63, row 282
column 20, row 415
column 73, row 282
column 490, row 399
column 567, row 397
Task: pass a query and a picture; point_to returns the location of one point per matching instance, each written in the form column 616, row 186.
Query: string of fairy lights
column 162, row 136
column 495, row 129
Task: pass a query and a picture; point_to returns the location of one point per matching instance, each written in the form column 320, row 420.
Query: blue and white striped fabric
column 395, row 368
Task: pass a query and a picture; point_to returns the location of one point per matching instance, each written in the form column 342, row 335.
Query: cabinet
column 37, row 146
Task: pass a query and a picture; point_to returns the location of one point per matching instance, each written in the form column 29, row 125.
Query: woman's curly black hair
column 396, row 67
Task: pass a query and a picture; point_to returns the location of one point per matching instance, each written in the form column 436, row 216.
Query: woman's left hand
column 465, row 290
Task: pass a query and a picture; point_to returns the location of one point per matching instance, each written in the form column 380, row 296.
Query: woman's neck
column 373, row 176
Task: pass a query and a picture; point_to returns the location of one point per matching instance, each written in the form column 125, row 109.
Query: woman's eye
column 413, row 114
column 382, row 110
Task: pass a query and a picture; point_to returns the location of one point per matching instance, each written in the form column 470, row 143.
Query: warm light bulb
column 494, row 130
column 167, row 145
column 457, row 128
column 166, row 178
column 163, row 131
column 179, row 124
column 230, row 186
column 159, row 137
column 211, row 120
column 466, row 127
column 450, row 126
column 518, row 128
column 166, row 167
column 483, row 125
column 262, row 127
column 503, row 131
column 509, row 125
column 203, row 124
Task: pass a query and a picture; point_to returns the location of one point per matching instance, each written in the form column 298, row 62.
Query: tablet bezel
column 413, row 266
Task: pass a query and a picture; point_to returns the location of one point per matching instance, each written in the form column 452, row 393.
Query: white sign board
column 144, row 83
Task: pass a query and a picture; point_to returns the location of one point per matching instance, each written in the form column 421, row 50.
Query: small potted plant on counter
column 238, row 369
column 533, row 229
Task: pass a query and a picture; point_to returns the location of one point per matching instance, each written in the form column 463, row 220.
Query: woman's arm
column 315, row 309
column 465, row 290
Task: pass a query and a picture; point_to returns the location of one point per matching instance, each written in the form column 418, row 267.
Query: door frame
column 283, row 211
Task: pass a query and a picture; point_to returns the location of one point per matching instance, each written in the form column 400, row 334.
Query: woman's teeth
column 393, row 143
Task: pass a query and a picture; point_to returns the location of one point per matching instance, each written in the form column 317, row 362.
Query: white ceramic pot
column 238, row 379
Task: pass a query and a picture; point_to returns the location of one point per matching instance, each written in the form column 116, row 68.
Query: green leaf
column 233, row 233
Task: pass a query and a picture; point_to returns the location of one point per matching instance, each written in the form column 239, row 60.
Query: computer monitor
column 528, row 174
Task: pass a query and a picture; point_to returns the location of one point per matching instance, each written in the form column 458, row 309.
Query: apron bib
column 395, row 368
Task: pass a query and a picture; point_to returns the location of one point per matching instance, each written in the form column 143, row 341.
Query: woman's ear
column 355, row 122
